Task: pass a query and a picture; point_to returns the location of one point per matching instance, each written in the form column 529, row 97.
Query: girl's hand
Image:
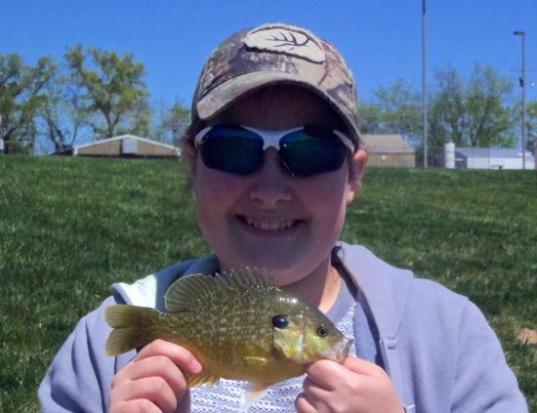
column 355, row 386
column 153, row 381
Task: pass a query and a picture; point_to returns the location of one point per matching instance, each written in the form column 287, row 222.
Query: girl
column 275, row 157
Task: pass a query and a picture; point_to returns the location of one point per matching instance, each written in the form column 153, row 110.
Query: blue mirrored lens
column 311, row 151
column 232, row 149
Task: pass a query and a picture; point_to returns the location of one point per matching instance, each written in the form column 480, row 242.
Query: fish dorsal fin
column 248, row 277
column 183, row 294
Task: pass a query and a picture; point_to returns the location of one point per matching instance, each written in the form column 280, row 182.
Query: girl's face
column 270, row 220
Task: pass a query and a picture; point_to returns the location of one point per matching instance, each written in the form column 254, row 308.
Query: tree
column 401, row 106
column 447, row 116
column 171, row 123
column 177, row 121
column 473, row 113
column 396, row 108
column 369, row 118
column 114, row 89
column 21, row 97
column 62, row 117
column 531, row 125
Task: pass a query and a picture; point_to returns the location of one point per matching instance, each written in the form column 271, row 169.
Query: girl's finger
column 160, row 366
column 315, row 393
column 303, row 405
column 179, row 355
column 135, row 406
column 154, row 389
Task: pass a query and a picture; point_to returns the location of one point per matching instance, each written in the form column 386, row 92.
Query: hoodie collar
column 385, row 287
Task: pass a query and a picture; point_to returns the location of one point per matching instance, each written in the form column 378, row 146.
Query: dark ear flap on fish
column 183, row 294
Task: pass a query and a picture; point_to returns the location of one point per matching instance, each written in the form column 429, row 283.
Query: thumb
column 361, row 366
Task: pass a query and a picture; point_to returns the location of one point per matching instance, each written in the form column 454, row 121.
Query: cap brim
column 222, row 96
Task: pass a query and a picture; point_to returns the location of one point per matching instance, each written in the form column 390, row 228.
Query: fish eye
column 322, row 331
column 280, row 321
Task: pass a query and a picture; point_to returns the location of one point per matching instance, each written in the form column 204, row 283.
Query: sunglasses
column 303, row 151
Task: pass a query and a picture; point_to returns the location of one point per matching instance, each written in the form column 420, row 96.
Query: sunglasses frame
column 271, row 138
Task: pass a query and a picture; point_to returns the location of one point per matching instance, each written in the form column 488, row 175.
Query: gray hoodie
column 436, row 345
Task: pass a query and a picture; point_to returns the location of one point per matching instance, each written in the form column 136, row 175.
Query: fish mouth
column 269, row 224
column 341, row 350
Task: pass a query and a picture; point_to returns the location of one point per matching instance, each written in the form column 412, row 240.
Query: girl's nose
column 271, row 184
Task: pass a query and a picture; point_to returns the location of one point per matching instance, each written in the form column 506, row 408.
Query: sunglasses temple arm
column 200, row 135
column 346, row 141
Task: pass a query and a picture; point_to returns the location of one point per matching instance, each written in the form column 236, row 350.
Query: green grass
column 70, row 227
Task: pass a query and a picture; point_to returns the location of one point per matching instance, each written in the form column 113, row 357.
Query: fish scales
column 230, row 331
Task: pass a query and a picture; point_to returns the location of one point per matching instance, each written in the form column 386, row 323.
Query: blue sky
column 381, row 39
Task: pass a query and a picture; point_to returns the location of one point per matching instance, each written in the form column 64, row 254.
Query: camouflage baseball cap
column 275, row 53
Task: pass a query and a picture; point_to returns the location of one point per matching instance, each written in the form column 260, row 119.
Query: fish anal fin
column 253, row 392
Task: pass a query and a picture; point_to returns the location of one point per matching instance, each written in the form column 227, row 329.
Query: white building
column 127, row 146
column 491, row 158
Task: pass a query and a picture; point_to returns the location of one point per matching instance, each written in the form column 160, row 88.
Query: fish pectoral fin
column 253, row 392
column 256, row 361
column 205, row 377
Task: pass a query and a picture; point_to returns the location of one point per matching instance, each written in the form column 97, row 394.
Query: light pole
column 424, row 74
column 522, row 34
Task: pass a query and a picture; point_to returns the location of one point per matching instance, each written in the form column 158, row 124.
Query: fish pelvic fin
column 205, row 377
column 133, row 327
column 253, row 393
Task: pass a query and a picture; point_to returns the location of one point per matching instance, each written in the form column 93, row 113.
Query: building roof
column 492, row 153
column 387, row 144
column 127, row 137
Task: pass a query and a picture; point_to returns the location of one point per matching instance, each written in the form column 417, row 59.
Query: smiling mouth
column 271, row 224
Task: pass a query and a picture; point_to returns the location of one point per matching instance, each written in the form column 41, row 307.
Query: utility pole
column 522, row 34
column 424, row 74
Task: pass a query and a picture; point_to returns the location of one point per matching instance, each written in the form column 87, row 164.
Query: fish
column 239, row 325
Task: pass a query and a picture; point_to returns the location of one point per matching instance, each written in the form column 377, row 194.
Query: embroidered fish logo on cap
column 286, row 39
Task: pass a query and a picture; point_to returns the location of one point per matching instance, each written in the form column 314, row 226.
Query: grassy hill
column 70, row 227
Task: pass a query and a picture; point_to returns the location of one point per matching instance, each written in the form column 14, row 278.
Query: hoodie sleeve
column 79, row 378
column 483, row 381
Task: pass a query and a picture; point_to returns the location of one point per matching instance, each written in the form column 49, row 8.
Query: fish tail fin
column 133, row 327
